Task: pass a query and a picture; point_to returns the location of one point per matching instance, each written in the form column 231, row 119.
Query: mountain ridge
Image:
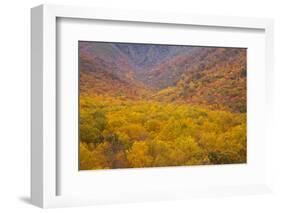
column 198, row 75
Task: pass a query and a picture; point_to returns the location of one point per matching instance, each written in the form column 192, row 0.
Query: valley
column 160, row 105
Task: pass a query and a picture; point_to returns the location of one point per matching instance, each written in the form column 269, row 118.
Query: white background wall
column 15, row 104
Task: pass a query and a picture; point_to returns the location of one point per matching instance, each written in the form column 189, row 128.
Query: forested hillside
column 160, row 105
column 214, row 78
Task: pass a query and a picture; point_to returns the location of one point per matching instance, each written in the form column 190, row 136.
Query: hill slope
column 213, row 77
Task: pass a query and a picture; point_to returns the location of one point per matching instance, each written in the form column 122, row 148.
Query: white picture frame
column 44, row 155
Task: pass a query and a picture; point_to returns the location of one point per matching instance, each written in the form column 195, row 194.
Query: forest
column 159, row 105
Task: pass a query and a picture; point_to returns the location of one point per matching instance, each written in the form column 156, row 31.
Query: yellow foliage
column 138, row 155
column 118, row 133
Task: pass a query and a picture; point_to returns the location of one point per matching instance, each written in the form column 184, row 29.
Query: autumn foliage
column 122, row 134
column 197, row 118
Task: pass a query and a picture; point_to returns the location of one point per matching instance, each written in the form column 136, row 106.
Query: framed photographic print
column 130, row 106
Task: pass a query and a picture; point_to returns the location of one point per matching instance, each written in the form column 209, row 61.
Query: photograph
column 161, row 105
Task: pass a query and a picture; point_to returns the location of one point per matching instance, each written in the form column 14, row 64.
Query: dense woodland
column 159, row 105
